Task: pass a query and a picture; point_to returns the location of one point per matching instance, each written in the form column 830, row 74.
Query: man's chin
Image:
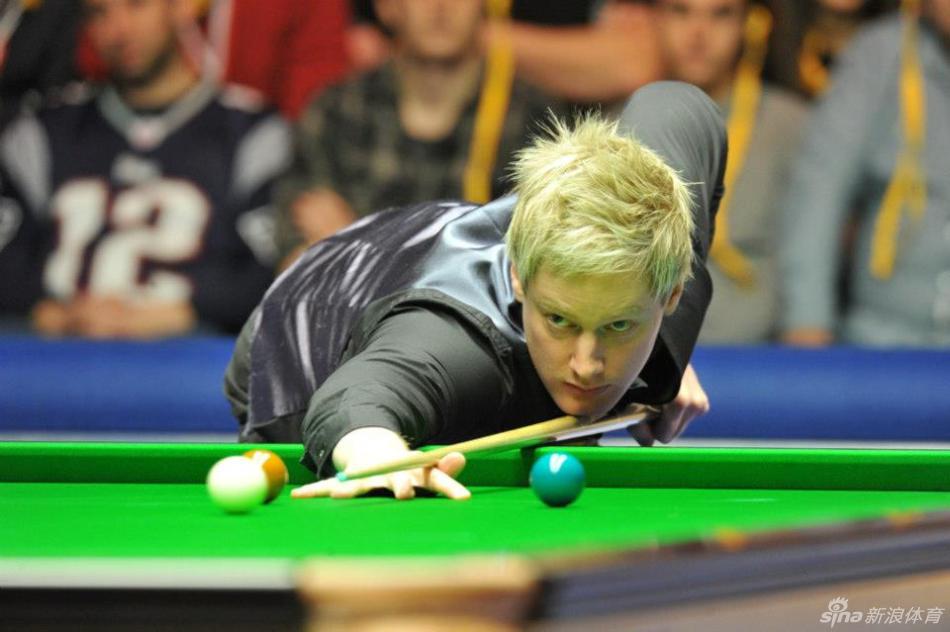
column 129, row 79
column 699, row 76
column 139, row 75
column 448, row 55
column 583, row 409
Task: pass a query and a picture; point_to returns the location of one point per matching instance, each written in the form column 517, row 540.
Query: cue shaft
column 559, row 428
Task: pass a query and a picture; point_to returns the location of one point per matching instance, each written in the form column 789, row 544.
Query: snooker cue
column 557, row 429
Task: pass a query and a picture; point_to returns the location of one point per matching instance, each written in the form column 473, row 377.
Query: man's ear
column 516, row 284
column 674, row 300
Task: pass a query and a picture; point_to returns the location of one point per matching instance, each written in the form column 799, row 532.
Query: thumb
column 642, row 433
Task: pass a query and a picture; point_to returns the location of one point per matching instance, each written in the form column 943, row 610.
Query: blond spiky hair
column 594, row 201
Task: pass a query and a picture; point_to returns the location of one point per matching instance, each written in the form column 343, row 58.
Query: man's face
column 701, row 39
column 589, row 336
column 434, row 30
column 135, row 38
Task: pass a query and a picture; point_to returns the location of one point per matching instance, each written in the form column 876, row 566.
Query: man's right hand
column 365, row 447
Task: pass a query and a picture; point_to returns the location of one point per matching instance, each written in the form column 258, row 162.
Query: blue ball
column 557, row 479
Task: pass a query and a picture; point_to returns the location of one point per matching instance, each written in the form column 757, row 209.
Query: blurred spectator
column 368, row 46
column 560, row 13
column 583, row 51
column 37, row 51
column 602, row 61
column 141, row 211
column 439, row 120
column 288, row 50
column 876, row 146
column 719, row 46
column 809, row 35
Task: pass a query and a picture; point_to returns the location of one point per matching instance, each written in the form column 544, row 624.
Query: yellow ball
column 274, row 470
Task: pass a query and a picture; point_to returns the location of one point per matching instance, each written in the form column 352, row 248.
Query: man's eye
column 620, row 326
column 558, row 321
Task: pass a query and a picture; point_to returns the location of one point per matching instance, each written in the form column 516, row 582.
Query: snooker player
column 580, row 294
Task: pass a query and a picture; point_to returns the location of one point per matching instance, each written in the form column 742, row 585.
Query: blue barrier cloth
column 175, row 386
column 837, row 393
column 171, row 386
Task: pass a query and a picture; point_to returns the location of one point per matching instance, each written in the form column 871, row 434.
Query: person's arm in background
column 308, row 207
column 604, row 61
column 824, row 184
column 418, row 372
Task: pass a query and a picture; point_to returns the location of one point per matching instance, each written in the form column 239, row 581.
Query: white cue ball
column 237, row 484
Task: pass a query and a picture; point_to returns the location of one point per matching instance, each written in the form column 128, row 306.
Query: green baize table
column 657, row 536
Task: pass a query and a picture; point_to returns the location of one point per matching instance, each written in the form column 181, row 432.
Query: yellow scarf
column 746, row 94
column 908, row 186
column 490, row 117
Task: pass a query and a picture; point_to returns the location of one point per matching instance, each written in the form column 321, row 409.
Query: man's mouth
column 582, row 391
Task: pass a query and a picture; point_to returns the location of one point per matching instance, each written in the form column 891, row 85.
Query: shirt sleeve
column 683, row 125
column 420, row 371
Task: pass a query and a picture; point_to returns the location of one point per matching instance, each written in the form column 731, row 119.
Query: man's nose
column 587, row 361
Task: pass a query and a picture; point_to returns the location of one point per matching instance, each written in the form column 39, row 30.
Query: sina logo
column 838, row 613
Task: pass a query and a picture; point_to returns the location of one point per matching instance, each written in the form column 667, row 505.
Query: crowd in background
column 162, row 160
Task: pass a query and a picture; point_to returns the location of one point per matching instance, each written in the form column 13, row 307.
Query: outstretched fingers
column 439, row 478
column 319, row 489
column 402, row 486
